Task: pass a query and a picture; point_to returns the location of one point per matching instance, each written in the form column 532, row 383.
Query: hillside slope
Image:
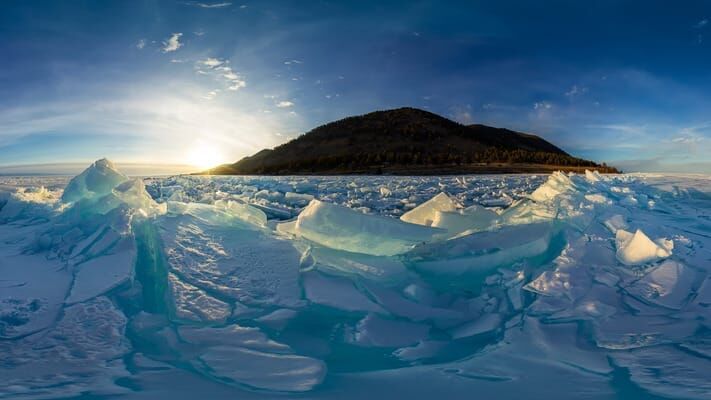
column 404, row 141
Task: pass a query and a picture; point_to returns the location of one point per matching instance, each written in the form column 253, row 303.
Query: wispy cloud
column 285, row 104
column 542, row 105
column 235, row 81
column 659, row 164
column 173, row 43
column 543, row 115
column 701, row 23
column 221, row 71
column 211, row 94
column 163, row 125
column 623, row 128
column 694, row 138
column 576, row 91
column 207, row 5
column 653, row 146
column 687, row 139
column 462, row 114
column 212, row 62
column 141, row 44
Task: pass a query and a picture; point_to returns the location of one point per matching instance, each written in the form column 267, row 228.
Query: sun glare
column 204, row 156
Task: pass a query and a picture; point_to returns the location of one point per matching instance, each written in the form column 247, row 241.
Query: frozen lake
column 553, row 287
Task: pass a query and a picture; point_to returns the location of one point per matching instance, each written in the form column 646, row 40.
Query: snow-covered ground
column 557, row 287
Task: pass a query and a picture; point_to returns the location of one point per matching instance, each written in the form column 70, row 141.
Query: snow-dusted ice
column 560, row 286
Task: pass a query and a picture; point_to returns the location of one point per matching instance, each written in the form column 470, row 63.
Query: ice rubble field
column 554, row 286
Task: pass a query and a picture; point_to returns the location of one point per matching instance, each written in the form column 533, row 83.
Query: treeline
column 371, row 160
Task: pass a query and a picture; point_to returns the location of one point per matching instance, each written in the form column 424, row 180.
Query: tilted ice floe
column 444, row 213
column 247, row 356
column 384, row 269
column 235, row 262
column 637, row 248
column 483, row 250
column 615, row 223
column 425, row 213
column 273, row 284
column 341, row 228
column 669, row 285
column 471, row 219
column 81, row 351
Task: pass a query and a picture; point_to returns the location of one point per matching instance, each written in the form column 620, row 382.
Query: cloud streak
column 208, row 5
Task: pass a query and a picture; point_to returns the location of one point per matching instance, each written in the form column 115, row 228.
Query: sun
column 204, row 155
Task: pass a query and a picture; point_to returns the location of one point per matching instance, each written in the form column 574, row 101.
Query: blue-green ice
column 522, row 286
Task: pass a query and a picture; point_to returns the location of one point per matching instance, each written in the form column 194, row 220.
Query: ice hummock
column 27, row 203
column 97, row 180
column 593, row 176
column 558, row 183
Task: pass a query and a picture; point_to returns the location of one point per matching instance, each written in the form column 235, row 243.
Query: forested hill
column 407, row 141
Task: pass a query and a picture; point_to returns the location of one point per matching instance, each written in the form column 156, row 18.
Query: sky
column 200, row 83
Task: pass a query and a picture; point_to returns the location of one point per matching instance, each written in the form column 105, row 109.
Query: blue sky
column 187, row 82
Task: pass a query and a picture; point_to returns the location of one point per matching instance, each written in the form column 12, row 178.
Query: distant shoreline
column 434, row 170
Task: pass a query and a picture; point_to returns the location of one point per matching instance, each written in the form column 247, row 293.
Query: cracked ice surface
column 355, row 287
